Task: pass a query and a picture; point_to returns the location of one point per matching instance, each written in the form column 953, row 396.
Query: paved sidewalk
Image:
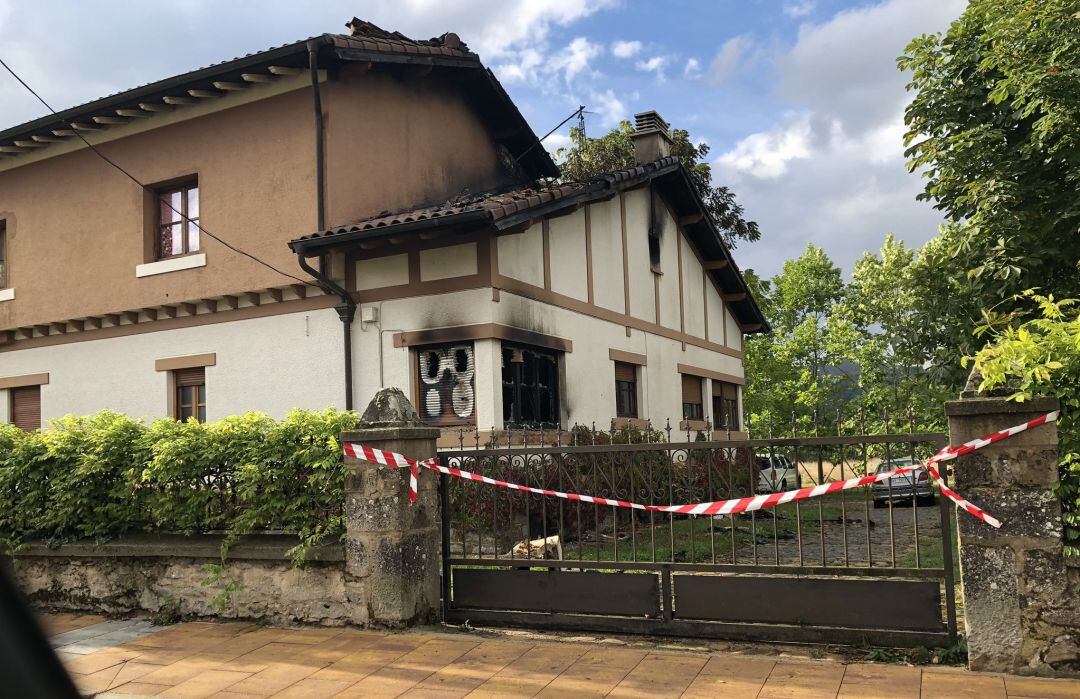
column 236, row 660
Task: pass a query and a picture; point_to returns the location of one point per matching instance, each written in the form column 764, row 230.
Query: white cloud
column 655, row 65
column 626, row 49
column 832, row 171
column 611, row 109
column 574, row 59
column 692, row 69
column 734, row 55
column 799, row 9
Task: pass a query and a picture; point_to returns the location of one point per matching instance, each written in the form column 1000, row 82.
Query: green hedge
column 107, row 475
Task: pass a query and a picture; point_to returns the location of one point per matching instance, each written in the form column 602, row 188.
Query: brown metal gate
column 834, row 569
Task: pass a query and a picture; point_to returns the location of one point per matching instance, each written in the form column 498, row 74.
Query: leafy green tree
column 795, row 368
column 588, row 157
column 1041, row 356
column 994, row 127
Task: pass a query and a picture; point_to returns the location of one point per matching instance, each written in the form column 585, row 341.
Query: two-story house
column 493, row 296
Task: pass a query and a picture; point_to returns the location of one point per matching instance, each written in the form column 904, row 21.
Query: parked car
column 776, row 473
column 905, row 486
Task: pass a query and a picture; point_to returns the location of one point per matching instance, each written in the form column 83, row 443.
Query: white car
column 776, row 474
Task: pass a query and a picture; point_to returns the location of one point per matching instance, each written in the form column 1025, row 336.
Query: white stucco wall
column 569, row 273
column 271, row 364
column 521, row 255
column 606, row 224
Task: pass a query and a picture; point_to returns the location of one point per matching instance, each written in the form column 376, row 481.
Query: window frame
column 692, row 415
column 421, row 386
column 626, row 387
column 197, row 405
column 184, row 187
column 726, row 406
column 12, row 396
column 551, row 394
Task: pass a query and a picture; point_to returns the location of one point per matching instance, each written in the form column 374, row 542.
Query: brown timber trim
column 545, row 232
column 24, row 380
column 656, row 295
column 682, row 297
column 696, row 425
column 192, row 361
column 588, row 255
column 625, row 260
column 637, row 423
column 515, row 286
column 296, row 306
column 481, row 331
column 710, row 374
column 628, row 357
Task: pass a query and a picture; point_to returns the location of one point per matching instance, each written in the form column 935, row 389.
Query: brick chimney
column 651, row 139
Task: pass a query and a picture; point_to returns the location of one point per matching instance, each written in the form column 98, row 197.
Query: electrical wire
column 577, row 112
column 144, row 187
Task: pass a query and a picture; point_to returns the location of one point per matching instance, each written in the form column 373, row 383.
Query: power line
column 577, row 112
column 144, row 187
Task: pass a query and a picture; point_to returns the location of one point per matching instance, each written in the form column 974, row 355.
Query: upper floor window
column 3, row 254
column 530, row 384
column 446, row 387
column 178, row 218
column 26, row 407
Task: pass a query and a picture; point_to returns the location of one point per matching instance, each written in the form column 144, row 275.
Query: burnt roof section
column 504, row 210
column 366, row 43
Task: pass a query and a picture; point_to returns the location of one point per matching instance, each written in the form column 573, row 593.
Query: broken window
column 446, row 386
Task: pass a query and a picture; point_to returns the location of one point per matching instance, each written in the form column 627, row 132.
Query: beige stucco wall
column 271, row 364
column 77, row 228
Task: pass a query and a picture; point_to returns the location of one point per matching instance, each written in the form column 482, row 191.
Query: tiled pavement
column 236, row 660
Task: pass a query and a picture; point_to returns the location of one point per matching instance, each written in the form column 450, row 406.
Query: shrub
column 107, row 475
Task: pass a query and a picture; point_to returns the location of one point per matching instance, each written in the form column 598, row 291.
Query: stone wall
column 1021, row 606
column 182, row 575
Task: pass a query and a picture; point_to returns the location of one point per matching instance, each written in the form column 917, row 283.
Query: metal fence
column 800, row 551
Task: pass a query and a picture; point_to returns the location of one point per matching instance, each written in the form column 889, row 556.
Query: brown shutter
column 725, row 389
column 195, row 376
column 691, row 389
column 26, row 407
column 625, row 372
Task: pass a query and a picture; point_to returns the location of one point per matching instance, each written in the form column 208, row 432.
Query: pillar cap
column 1000, row 406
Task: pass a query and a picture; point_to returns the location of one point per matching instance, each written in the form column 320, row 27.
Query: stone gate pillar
column 1021, row 610
column 391, row 547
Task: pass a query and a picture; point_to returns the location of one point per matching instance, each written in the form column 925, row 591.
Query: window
column 530, row 382
column 3, row 255
column 26, row 407
column 692, row 405
column 178, row 218
column 725, row 406
column 446, row 387
column 190, row 394
column 625, row 390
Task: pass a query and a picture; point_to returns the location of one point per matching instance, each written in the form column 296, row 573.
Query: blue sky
column 799, row 100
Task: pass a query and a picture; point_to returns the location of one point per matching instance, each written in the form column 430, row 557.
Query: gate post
column 391, row 547
column 1020, row 607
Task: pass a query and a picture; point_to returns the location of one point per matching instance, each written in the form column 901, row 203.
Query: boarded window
column 692, row 403
column 178, row 221
column 625, row 390
column 530, row 383
column 26, row 407
column 190, row 394
column 446, row 384
column 725, row 405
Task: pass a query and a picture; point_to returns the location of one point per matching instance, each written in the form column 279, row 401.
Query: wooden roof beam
column 230, row 86
column 715, row 264
column 691, row 219
column 83, row 126
column 154, row 107
column 300, row 290
column 190, row 308
column 13, row 149
column 136, row 113
column 204, row 93
column 256, row 77
column 285, row 70
column 253, row 297
column 732, row 298
column 48, row 139
column 275, row 294
column 109, row 120
column 29, row 144
column 177, row 100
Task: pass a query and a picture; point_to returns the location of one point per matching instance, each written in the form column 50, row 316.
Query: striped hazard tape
column 718, row 507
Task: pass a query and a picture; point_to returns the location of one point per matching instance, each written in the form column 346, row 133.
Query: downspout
column 346, row 310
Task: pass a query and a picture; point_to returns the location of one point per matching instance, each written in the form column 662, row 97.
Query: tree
column 1041, row 356
column 794, row 369
column 994, row 127
column 588, row 157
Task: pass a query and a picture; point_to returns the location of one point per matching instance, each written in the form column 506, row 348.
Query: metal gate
column 834, row 569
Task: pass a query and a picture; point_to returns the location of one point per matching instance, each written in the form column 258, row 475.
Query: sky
column 800, row 101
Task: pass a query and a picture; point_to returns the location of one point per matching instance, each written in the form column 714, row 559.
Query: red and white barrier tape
column 719, row 507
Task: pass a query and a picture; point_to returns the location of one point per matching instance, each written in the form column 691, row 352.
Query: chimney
column 651, row 139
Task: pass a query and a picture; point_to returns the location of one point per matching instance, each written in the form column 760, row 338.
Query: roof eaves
column 308, row 245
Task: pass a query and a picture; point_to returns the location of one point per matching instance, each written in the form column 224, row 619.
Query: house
column 493, row 296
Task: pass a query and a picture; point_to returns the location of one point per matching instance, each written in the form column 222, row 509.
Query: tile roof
column 502, row 205
column 366, row 36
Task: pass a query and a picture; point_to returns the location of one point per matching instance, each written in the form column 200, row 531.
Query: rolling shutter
column 195, row 376
column 26, row 407
column 625, row 372
column 691, row 389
